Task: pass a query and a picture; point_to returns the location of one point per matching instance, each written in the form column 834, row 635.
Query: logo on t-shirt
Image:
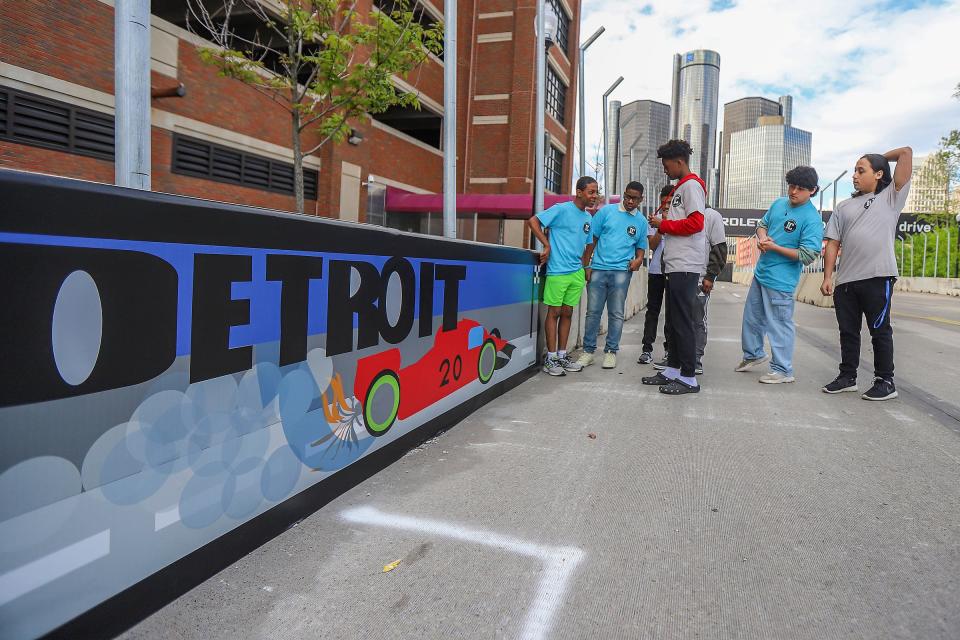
column 676, row 201
column 790, row 226
column 868, row 203
column 631, row 231
column 586, row 227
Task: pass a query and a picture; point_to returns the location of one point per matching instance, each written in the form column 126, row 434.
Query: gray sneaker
column 552, row 366
column 660, row 366
column 747, row 365
column 569, row 365
column 645, row 358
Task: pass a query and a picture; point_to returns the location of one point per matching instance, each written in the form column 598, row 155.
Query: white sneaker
column 586, row 359
column 746, row 365
column 609, row 360
column 775, row 377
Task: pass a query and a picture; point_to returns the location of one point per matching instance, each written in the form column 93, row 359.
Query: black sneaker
column 841, row 384
column 660, row 366
column 881, row 390
column 645, row 358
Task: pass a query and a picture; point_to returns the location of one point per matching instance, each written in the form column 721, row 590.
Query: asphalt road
column 747, row 511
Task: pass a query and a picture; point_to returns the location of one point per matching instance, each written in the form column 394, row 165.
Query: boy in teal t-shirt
column 620, row 238
column 564, row 251
column 790, row 235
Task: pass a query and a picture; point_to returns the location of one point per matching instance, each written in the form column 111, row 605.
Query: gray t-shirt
column 684, row 253
column 656, row 260
column 713, row 232
column 866, row 227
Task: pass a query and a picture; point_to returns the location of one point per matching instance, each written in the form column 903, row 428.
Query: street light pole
column 606, row 187
column 821, row 196
column 581, row 86
column 132, row 82
column 833, row 207
column 450, row 119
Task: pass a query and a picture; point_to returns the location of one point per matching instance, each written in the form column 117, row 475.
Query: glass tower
column 696, row 92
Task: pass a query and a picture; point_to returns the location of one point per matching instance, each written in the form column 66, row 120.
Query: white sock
column 551, row 355
column 692, row 380
column 562, row 353
column 671, row 373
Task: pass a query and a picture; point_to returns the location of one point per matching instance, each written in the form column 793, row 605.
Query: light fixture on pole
column 581, row 90
column 820, row 209
column 547, row 25
column 606, row 94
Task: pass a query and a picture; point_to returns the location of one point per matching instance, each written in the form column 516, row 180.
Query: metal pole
column 835, row 181
column 821, row 197
column 132, row 93
column 936, row 254
column 948, row 252
column 903, row 240
column 580, row 105
column 541, row 45
column 923, row 271
column 911, row 256
column 450, row 118
column 606, row 187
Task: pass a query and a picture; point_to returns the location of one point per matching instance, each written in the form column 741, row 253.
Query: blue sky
column 865, row 77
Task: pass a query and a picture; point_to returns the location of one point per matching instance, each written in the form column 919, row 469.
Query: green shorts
column 564, row 289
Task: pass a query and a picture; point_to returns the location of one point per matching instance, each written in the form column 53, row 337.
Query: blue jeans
column 769, row 312
column 606, row 288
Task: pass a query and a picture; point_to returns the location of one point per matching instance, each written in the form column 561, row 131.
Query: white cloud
column 863, row 79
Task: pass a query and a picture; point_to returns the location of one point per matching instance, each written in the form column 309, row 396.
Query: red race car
column 459, row 356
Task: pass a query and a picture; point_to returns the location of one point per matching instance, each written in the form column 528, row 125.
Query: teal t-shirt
column 570, row 234
column 619, row 234
column 793, row 228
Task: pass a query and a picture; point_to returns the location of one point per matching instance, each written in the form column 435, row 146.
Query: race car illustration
column 458, row 357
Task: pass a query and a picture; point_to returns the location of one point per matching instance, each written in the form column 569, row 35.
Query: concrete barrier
column 636, row 302
column 941, row 286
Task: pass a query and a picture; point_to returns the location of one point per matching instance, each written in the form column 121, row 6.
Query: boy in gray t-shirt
column 861, row 231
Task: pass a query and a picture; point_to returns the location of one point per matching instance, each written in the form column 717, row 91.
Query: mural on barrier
column 160, row 389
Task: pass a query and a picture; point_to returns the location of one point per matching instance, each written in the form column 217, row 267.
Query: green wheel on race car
column 382, row 403
column 487, row 361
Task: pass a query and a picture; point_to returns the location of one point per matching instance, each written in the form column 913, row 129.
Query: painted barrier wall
column 174, row 368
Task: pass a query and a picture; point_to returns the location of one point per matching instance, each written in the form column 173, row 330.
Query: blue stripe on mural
column 487, row 284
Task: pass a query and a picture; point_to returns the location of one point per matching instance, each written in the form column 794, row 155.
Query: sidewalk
column 746, row 511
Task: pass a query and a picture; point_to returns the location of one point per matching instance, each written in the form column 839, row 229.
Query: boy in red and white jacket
column 683, row 237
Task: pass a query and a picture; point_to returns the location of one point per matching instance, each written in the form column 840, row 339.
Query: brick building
column 224, row 141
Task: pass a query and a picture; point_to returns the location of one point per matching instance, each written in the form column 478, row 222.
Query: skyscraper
column 758, row 160
column 929, row 186
column 644, row 126
column 696, row 89
column 741, row 115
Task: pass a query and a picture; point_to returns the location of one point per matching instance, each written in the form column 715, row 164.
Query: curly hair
column 804, row 177
column 666, row 190
column 675, row 149
column 636, row 186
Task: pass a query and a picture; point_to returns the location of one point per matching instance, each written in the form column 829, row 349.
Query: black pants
column 681, row 304
column 854, row 300
column 656, row 283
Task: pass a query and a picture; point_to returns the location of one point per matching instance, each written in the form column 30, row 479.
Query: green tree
column 323, row 61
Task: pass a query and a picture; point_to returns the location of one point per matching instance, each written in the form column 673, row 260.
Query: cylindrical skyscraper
column 696, row 84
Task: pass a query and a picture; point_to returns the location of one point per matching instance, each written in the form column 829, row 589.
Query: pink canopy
column 509, row 205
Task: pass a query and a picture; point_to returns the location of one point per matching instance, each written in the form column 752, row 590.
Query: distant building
column 759, row 158
column 694, row 107
column 612, row 151
column 644, row 126
column 929, row 186
column 741, row 115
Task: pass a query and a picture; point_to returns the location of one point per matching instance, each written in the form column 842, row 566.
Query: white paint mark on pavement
column 519, row 422
column 163, row 519
column 558, row 562
column 499, row 429
column 41, row 571
column 899, row 416
column 736, row 295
